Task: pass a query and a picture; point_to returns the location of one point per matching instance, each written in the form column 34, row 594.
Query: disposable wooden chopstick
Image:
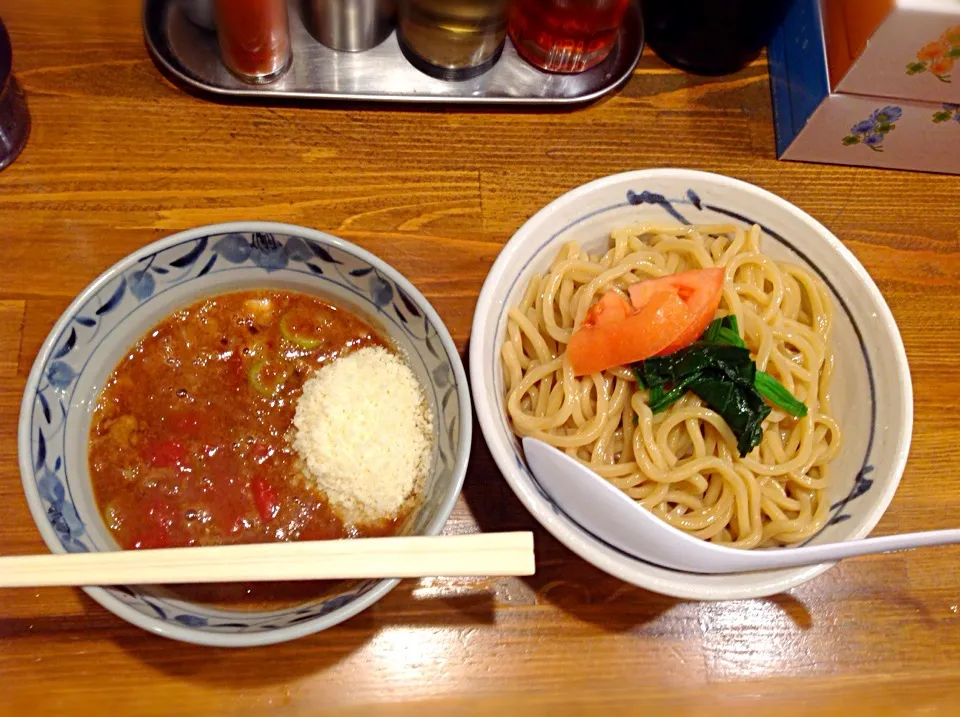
column 483, row 554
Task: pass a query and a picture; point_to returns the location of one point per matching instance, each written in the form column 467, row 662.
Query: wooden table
column 118, row 157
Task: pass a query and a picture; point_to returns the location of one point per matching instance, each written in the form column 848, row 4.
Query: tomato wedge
column 617, row 334
column 700, row 290
column 663, row 315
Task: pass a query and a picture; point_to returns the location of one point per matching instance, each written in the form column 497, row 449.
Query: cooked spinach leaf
column 719, row 370
column 740, row 405
column 775, row 392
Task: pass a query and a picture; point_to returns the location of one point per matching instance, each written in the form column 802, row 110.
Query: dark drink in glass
column 711, row 37
column 565, row 35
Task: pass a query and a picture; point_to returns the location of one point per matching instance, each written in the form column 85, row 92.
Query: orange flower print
column 942, row 66
column 939, row 56
column 933, row 50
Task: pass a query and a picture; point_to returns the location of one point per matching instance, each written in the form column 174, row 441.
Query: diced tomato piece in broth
column 153, row 531
column 265, row 498
column 165, row 454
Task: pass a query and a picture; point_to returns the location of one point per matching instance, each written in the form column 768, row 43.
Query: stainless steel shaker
column 349, row 25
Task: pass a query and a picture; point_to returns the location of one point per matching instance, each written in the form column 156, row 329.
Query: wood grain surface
column 119, row 157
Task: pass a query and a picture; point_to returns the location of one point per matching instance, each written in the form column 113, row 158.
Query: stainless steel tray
column 190, row 55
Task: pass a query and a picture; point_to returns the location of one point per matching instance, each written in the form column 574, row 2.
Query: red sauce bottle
column 254, row 38
column 565, row 35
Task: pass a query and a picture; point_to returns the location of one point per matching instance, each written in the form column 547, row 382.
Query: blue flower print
column 886, row 115
column 62, row 514
column 142, row 284
column 267, row 252
column 872, row 131
column 191, row 620
column 233, row 247
column 336, row 603
column 297, row 249
column 50, row 487
column 60, row 374
column 65, row 520
column 380, row 291
column 441, row 376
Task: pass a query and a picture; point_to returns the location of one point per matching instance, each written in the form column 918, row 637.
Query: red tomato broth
column 189, row 447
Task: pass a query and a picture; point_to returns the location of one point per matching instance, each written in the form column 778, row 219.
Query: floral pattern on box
column 949, row 112
column 873, row 131
column 938, row 57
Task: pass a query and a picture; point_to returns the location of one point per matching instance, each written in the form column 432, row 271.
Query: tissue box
column 817, row 124
column 908, row 49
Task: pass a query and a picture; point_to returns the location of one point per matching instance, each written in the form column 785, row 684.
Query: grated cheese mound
column 363, row 432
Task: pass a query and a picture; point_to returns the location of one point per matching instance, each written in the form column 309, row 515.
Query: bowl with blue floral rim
column 139, row 291
column 871, row 390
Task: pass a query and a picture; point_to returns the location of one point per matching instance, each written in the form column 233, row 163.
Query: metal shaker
column 349, row 25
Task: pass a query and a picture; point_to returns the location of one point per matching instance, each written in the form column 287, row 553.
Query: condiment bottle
column 350, row 25
column 14, row 117
column 566, row 35
column 711, row 37
column 452, row 39
column 254, row 38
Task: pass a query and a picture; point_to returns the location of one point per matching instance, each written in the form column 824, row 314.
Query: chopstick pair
column 478, row 555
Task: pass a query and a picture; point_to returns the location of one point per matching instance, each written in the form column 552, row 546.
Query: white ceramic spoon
column 610, row 514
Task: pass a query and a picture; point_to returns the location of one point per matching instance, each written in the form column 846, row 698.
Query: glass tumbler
column 254, row 38
column 566, row 35
column 452, row 39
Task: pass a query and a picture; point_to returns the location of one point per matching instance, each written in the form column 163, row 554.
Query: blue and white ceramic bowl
column 132, row 296
column 873, row 397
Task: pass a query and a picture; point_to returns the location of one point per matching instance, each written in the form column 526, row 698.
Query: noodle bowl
column 683, row 463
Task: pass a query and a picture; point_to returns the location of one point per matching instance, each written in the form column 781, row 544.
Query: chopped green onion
column 266, row 379
column 638, row 373
column 290, row 330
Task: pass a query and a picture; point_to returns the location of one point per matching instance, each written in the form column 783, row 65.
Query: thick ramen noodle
column 683, row 463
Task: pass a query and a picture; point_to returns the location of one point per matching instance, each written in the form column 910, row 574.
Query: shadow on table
column 402, row 619
column 390, row 618
column 567, row 581
column 562, row 579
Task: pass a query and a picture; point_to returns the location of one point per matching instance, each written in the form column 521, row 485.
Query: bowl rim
column 587, row 547
column 186, row 633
